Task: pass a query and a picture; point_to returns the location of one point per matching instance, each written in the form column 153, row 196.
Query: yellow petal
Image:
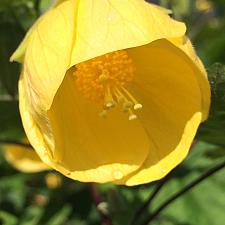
column 108, row 25
column 165, row 10
column 37, row 134
column 24, row 159
column 48, row 52
column 18, row 55
column 167, row 86
column 89, row 147
column 185, row 44
column 86, row 29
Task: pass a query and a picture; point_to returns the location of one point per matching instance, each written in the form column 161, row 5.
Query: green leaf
column 117, row 207
column 213, row 130
column 9, row 39
column 18, row 12
column 202, row 205
column 10, row 122
column 7, row 218
column 32, row 215
column 45, row 4
column 216, row 74
column 217, row 153
column 13, row 191
column 61, row 216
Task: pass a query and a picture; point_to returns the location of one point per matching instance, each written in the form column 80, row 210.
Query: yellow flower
column 53, row 180
column 111, row 91
column 203, row 5
column 24, row 158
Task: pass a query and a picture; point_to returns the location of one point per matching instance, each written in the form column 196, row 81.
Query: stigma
column 106, row 80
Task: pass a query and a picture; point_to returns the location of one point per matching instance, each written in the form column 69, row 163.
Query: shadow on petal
column 89, row 147
column 166, row 85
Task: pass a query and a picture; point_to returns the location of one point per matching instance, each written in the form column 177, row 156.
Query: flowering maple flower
column 111, row 91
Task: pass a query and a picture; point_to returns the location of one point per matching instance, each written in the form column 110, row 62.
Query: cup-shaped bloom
column 24, row 158
column 111, row 91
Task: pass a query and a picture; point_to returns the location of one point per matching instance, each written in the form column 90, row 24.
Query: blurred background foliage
column 48, row 198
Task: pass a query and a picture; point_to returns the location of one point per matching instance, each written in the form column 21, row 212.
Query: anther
column 132, row 116
column 109, row 102
column 137, row 106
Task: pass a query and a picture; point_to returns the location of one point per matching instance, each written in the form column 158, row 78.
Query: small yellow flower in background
column 111, row 91
column 53, row 180
column 23, row 158
column 203, row 5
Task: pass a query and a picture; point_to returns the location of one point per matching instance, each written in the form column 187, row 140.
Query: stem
column 97, row 198
column 149, row 200
column 37, row 7
column 195, row 182
column 8, row 98
column 13, row 142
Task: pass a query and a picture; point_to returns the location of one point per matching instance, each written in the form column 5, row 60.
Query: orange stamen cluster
column 105, row 79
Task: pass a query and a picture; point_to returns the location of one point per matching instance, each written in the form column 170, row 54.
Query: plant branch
column 97, row 198
column 13, row 142
column 194, row 183
column 37, row 7
column 8, row 98
column 149, row 200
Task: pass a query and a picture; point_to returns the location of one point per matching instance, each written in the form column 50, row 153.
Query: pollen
column 106, row 80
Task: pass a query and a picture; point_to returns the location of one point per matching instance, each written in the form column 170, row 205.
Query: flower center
column 105, row 79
